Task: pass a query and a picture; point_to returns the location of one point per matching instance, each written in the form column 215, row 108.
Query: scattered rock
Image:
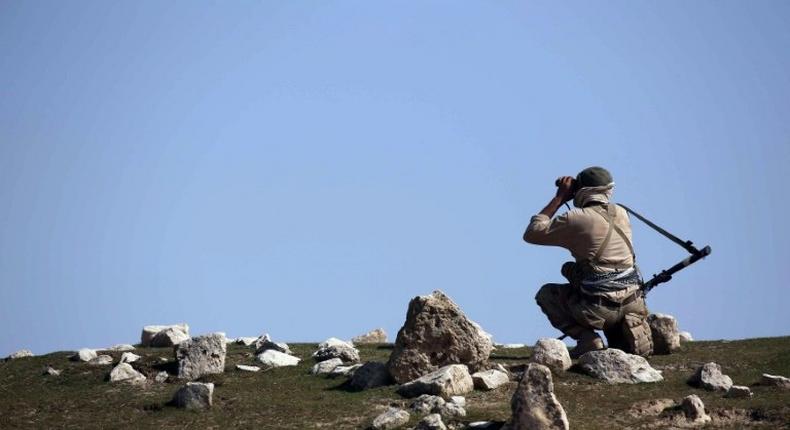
column 265, row 343
column 694, row 410
column 101, row 360
column 129, row 357
column 775, row 381
column 272, row 358
column 149, row 331
column 685, row 336
column 450, row 411
column 431, row 422
column 709, row 377
column 84, row 354
column 489, row 379
column 437, row 333
column 246, row 341
column 22, row 353
column 344, row 370
column 664, row 329
column 161, row 376
column 124, row 372
column 333, row 341
column 346, row 353
column 49, row 370
column 194, row 395
column 616, row 367
column 649, row 408
column 201, row 355
column 170, row 337
column 374, row 336
column 553, row 354
column 392, row 418
column 121, row 347
column 245, row 368
column 738, row 391
column 446, row 382
column 326, row 367
column 459, row 400
column 371, row 375
column 534, row 405
column 426, row 403
column 482, row 425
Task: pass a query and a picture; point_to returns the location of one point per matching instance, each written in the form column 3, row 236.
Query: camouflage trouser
column 625, row 326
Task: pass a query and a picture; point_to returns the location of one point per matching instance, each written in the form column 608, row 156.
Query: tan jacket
column 582, row 231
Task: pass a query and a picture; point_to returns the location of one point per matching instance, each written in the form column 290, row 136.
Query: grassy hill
column 291, row 398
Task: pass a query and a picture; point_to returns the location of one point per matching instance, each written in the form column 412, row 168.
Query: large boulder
column 616, row 367
column 272, row 358
column 374, row 336
column 664, row 329
column 326, row 367
column 392, row 418
column 201, row 355
column 447, row 381
column 150, row 331
column 22, row 353
column 265, row 342
column 534, row 405
column 371, row 375
column 194, row 395
column 84, row 354
column 709, row 377
column 489, row 379
column 345, row 352
column 437, row 333
column 124, row 372
column 553, row 354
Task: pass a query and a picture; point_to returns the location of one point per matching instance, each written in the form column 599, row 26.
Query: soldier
column 603, row 292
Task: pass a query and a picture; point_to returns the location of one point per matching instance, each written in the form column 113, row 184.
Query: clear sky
column 305, row 168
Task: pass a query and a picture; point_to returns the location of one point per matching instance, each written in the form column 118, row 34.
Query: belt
column 603, row 301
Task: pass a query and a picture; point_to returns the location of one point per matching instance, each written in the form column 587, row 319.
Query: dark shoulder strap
column 609, row 214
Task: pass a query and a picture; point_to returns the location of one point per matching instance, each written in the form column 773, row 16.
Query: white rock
column 709, row 377
column 265, row 342
column 694, row 410
column 333, row 341
column 348, row 354
column 161, row 376
column 431, row 422
column 775, row 381
column 326, row 367
column 246, row 341
column 372, row 337
column 392, row 418
column 121, row 347
column 511, row 346
column 458, row 400
column 129, row 357
column 482, row 425
column 84, row 354
column 124, row 372
column 201, row 355
column 150, row 331
column 489, row 379
column 553, row 354
column 534, row 405
column 426, row 403
column 345, row 370
column 685, row 336
column 664, row 330
column 170, row 336
column 22, row 353
column 616, row 367
column 446, row 382
column 194, row 395
column 246, row 368
column 273, row 358
column 101, row 360
column 451, row 411
column 49, row 370
column 738, row 391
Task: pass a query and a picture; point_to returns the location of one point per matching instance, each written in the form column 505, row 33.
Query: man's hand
column 564, row 188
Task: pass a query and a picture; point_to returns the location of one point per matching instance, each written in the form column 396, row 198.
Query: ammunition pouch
column 635, row 335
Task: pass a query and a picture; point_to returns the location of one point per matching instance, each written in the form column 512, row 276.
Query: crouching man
column 603, row 292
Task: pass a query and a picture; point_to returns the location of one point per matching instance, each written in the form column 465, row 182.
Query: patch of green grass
column 291, row 398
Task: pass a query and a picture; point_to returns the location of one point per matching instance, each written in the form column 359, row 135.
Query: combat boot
column 587, row 343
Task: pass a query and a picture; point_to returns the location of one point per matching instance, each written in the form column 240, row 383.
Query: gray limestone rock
column 553, row 354
column 534, row 405
column 265, row 343
column 51, row 371
column 694, row 410
column 775, row 381
column 392, row 418
column 84, row 354
column 246, row 341
column 446, row 382
column 374, row 336
column 273, row 358
column 437, row 333
column 347, row 371
column 616, row 367
column 431, row 422
column 685, row 336
column 664, row 329
column 709, row 377
column 194, row 395
column 245, row 368
column 201, row 355
column 22, row 353
column 450, row 411
column 169, row 337
column 124, row 372
column 121, row 347
column 161, row 376
column 150, row 331
column 101, row 360
column 489, row 379
column 346, row 353
column 371, row 375
column 738, row 392
column 426, row 403
column 326, row 367
column 129, row 357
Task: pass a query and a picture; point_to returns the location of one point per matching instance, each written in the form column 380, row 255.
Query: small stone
column 446, row 382
column 709, row 377
column 348, row 354
column 431, row 422
column 121, row 347
column 333, row 341
column 326, row 367
column 371, row 375
column 392, row 418
column 101, row 360
column 161, row 376
column 450, row 411
column 84, row 354
column 372, row 337
column 459, row 400
column 426, row 403
column 124, row 372
column 129, row 357
column 775, row 381
column 49, row 370
column 201, row 355
column 245, row 368
column 194, row 395
column 553, row 354
column 534, row 405
column 246, row 341
column 169, row 337
column 616, row 367
column 273, row 358
column 685, row 336
column 489, row 379
column 664, row 329
column 483, row 425
column 150, row 331
column 265, row 343
column 694, row 410
column 22, row 353
column 738, row 392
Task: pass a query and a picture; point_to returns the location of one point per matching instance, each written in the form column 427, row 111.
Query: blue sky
column 305, row 168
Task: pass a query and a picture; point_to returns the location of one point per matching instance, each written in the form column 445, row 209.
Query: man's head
column 593, row 184
column 593, row 177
